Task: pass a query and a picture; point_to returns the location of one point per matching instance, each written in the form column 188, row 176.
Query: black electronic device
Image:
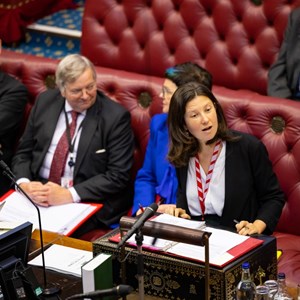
column 14, row 250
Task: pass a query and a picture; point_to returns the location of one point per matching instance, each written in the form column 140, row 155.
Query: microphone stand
column 140, row 262
column 8, row 173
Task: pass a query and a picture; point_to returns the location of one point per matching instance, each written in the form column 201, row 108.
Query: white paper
column 59, row 218
column 63, row 259
column 220, row 241
column 6, row 226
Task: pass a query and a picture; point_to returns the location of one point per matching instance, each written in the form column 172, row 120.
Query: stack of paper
column 63, row 259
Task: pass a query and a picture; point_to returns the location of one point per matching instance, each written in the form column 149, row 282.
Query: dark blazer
column 252, row 190
column 284, row 73
column 13, row 99
column 98, row 177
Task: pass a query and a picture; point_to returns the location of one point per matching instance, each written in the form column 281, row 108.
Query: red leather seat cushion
column 289, row 262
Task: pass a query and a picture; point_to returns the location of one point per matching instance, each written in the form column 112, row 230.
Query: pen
column 141, row 207
column 160, row 200
column 237, row 222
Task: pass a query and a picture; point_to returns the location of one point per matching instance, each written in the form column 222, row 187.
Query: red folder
column 68, row 225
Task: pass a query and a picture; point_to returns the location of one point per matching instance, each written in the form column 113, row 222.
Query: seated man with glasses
column 77, row 146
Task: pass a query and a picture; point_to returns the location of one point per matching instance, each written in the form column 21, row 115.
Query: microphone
column 8, row 173
column 120, row 290
column 5, row 167
column 147, row 214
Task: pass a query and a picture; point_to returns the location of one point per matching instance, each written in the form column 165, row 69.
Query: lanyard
column 202, row 186
column 71, row 145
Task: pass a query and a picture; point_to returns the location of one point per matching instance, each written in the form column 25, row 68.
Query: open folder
column 63, row 219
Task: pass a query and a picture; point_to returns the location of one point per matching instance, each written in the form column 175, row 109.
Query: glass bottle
column 246, row 288
column 282, row 293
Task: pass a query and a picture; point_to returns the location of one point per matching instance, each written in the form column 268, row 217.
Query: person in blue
column 156, row 180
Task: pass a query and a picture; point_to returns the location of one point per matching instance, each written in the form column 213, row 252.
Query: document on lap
column 224, row 246
column 63, row 219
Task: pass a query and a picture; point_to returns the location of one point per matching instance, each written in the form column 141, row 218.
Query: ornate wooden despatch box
column 170, row 277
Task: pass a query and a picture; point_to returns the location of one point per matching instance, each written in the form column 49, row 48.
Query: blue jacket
column 157, row 176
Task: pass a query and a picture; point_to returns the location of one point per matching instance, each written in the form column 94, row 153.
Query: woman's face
column 201, row 118
column 168, row 89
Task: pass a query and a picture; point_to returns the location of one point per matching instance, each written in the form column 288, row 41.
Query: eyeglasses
column 166, row 92
column 87, row 89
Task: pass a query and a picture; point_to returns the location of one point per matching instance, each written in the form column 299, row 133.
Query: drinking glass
column 273, row 288
column 262, row 292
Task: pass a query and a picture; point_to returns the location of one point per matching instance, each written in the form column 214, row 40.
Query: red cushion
column 289, row 262
column 236, row 41
column 15, row 15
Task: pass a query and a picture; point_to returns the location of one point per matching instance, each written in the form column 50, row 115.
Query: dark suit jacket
column 284, row 73
column 98, row 177
column 13, row 99
column 252, row 190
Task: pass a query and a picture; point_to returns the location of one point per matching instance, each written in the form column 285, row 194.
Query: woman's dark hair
column 187, row 72
column 182, row 144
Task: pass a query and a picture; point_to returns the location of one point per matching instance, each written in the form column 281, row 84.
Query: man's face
column 81, row 94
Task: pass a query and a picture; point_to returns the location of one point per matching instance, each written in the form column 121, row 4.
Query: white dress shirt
column 215, row 197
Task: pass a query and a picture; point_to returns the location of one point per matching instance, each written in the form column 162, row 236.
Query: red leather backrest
column 235, row 40
column 276, row 122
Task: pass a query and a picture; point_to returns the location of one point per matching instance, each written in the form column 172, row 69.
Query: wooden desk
column 54, row 238
column 71, row 285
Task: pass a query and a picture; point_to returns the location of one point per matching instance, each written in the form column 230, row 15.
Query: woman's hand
column 177, row 212
column 247, row 228
column 163, row 207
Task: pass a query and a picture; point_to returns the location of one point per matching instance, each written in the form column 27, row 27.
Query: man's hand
column 46, row 194
column 37, row 192
column 57, row 194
